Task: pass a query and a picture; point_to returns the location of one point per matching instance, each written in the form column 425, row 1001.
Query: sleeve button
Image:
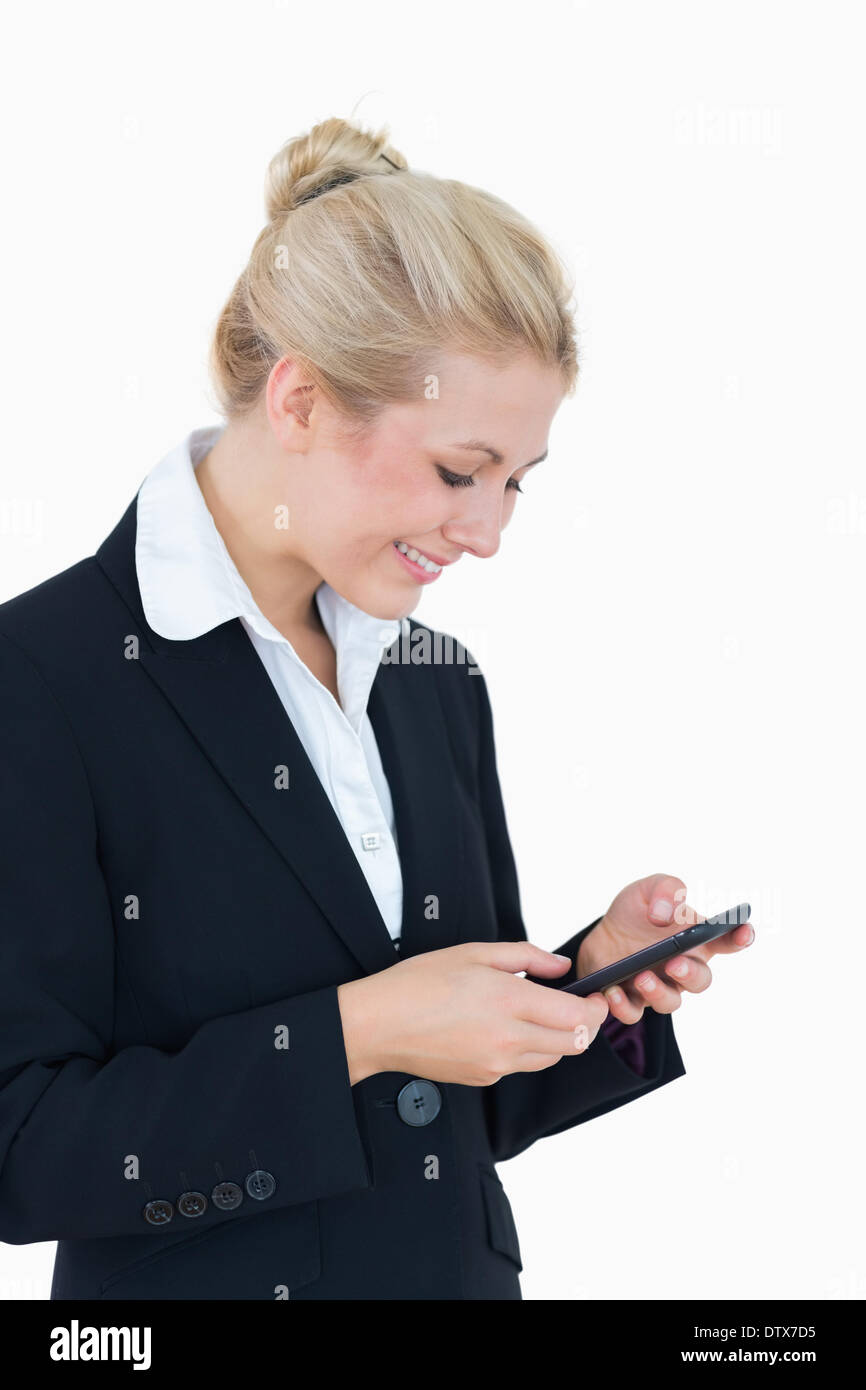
column 227, row 1196
column 158, row 1212
column 191, row 1203
column 261, row 1184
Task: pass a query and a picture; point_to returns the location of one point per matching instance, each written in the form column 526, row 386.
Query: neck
column 241, row 486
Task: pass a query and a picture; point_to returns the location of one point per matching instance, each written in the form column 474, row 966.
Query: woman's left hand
column 643, row 913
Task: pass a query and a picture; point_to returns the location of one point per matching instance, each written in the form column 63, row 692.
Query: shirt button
column 418, row 1103
column 370, row 839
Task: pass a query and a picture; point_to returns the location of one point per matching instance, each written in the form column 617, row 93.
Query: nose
column 478, row 530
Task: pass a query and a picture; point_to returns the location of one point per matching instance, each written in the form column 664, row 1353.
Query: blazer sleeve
column 72, row 1110
column 526, row 1106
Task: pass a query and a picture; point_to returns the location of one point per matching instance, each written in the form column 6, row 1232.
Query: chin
column 379, row 600
column 390, row 608
column 393, row 611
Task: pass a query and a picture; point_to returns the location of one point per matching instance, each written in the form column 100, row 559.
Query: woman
column 266, row 1031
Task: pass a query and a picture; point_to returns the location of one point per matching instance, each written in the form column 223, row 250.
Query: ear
column 290, row 395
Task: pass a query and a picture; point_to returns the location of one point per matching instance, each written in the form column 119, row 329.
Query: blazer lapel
column 222, row 692
column 412, row 738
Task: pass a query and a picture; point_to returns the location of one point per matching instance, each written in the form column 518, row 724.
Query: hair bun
column 331, row 153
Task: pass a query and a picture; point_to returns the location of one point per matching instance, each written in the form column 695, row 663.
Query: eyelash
column 461, row 480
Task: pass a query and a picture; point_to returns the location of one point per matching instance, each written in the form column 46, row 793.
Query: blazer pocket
column 253, row 1257
column 501, row 1230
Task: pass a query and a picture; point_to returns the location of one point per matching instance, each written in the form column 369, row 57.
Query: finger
column 515, row 956
column 689, row 973
column 735, row 940
column 536, row 1061
column 624, row 1005
column 664, row 998
column 686, row 916
column 555, row 1008
column 531, row 1037
column 664, row 896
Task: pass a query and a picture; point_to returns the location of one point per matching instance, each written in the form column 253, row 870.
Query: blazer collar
column 220, row 689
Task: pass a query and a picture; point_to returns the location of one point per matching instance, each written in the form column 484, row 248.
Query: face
column 376, row 518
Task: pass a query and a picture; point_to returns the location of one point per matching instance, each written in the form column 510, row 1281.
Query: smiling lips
column 423, row 561
column 422, row 567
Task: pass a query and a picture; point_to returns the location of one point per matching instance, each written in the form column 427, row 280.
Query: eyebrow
column 477, row 446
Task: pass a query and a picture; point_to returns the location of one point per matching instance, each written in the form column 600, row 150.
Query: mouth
column 422, row 567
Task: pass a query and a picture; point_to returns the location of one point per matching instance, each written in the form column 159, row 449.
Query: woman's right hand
column 462, row 1014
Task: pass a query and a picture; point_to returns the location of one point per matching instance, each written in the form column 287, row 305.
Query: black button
column 191, row 1203
column 227, row 1196
column 158, row 1212
column 261, row 1184
column 418, row 1103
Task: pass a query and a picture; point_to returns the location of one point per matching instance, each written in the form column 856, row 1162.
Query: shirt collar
column 189, row 583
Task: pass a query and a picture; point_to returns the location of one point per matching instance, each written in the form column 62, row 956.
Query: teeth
column 415, row 555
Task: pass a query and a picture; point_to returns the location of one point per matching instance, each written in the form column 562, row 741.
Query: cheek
column 368, row 507
column 402, row 493
column 415, row 512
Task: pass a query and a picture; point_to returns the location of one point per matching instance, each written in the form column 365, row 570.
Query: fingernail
column 663, row 909
column 557, row 956
column 646, row 983
column 751, row 936
column 581, row 1037
column 680, row 969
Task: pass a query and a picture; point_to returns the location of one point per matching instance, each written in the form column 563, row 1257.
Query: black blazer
column 167, row 912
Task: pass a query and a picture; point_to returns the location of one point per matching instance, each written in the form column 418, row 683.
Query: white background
column 672, row 630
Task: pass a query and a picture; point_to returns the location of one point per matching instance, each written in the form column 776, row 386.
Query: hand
column 463, row 1014
column 632, row 922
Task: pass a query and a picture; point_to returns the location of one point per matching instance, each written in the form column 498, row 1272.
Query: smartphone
column 675, row 945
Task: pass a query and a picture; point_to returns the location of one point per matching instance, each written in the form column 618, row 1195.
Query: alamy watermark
column 425, row 647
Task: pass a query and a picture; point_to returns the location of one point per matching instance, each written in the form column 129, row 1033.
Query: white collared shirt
column 190, row 584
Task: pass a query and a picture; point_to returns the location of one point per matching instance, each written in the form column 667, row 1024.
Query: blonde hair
column 366, row 270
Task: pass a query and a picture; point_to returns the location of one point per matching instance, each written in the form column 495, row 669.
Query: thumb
column 515, row 956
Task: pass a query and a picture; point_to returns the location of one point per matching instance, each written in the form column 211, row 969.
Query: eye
column 454, row 479
column 466, row 480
